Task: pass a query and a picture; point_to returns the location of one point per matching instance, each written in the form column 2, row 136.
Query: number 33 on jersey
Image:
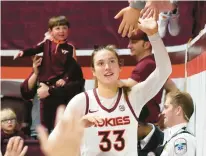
column 117, row 135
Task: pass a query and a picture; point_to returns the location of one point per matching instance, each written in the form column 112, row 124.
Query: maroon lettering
column 119, row 121
column 114, row 121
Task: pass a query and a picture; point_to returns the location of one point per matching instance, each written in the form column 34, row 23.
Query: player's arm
column 150, row 87
column 129, row 82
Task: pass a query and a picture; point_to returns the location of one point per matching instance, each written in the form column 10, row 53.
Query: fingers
column 10, row 144
column 140, row 25
column 156, row 14
column 142, row 12
column 131, row 28
column 125, row 30
column 146, row 12
column 41, row 84
column 60, row 83
column 20, row 146
column 37, row 59
column 23, row 152
column 121, row 27
column 38, row 63
column 90, row 120
column 42, row 135
column 59, row 113
column 16, row 143
column 19, row 54
column 120, row 14
column 98, row 119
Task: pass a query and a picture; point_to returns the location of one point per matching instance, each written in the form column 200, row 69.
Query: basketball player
column 118, row 108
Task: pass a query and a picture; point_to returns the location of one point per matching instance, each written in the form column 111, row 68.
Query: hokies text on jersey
column 125, row 120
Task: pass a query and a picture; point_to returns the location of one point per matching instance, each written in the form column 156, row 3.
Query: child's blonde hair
column 7, row 113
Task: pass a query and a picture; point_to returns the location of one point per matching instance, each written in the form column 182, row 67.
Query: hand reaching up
column 15, row 147
column 66, row 137
column 130, row 18
column 149, row 25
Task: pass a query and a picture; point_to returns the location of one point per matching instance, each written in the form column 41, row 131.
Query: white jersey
column 117, row 135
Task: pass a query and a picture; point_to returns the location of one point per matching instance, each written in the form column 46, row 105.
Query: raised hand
column 149, row 25
column 15, row 147
column 36, row 63
column 130, row 18
column 159, row 6
column 66, row 137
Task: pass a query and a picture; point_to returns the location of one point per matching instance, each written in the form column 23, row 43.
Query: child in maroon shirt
column 56, row 53
column 58, row 70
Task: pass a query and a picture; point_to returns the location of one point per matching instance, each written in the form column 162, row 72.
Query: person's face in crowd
column 60, row 33
column 106, row 67
column 8, row 121
column 8, row 125
column 137, row 47
column 169, row 112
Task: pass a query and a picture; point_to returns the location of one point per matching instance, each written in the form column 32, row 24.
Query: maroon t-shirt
column 140, row 73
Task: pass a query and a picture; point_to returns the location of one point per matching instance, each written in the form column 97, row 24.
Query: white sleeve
column 77, row 106
column 142, row 92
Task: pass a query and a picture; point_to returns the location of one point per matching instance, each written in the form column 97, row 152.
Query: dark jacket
column 58, row 95
column 55, row 62
column 155, row 141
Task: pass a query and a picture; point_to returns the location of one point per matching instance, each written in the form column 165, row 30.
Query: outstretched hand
column 66, row 137
column 149, row 25
column 36, row 63
column 130, row 18
column 15, row 147
column 19, row 54
column 159, row 6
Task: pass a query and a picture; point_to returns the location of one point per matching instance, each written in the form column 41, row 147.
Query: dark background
column 24, row 23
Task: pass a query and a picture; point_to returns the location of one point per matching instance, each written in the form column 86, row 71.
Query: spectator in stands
column 56, row 53
column 21, row 108
column 55, row 71
column 51, row 96
column 141, row 49
column 9, row 125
